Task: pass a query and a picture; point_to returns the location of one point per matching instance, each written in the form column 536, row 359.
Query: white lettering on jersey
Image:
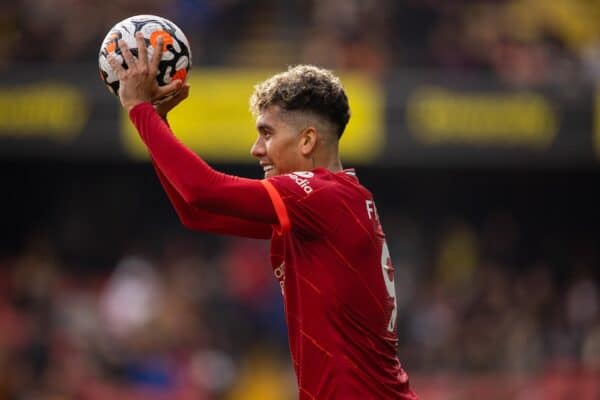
column 372, row 210
column 388, row 279
column 280, row 275
column 304, row 174
column 301, row 180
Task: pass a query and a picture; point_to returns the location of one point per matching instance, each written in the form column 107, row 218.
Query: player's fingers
column 184, row 92
column 142, row 50
column 127, row 56
column 157, row 54
column 181, row 95
column 167, row 89
column 115, row 65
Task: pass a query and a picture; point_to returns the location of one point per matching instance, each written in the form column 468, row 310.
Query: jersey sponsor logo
column 301, row 179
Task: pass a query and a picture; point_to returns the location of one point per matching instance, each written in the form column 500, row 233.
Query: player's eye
column 266, row 134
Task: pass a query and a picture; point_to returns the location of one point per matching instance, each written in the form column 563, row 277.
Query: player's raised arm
column 196, row 182
column 195, row 218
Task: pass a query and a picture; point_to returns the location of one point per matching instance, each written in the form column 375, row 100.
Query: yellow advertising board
column 215, row 120
column 438, row 115
column 58, row 111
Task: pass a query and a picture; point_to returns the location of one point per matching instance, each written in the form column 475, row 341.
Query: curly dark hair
column 304, row 88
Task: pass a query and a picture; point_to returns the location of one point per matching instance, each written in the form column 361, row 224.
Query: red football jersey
column 331, row 259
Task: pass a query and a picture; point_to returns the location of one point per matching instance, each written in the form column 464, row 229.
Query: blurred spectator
column 347, row 35
column 522, row 42
column 184, row 324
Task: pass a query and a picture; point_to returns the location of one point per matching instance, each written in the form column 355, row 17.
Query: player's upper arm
column 238, row 197
column 202, row 220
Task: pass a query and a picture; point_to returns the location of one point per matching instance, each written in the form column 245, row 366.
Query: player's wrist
column 129, row 106
column 162, row 116
column 161, row 113
column 139, row 107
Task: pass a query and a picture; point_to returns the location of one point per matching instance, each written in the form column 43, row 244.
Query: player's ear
column 308, row 140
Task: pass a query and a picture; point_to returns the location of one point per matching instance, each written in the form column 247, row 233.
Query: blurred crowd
column 523, row 42
column 99, row 302
column 480, row 308
column 180, row 326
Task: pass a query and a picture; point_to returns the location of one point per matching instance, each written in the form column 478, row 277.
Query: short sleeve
column 304, row 201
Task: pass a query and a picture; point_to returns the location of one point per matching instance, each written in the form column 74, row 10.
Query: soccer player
column 328, row 250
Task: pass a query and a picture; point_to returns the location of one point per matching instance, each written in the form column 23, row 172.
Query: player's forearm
column 181, row 207
column 175, row 160
column 194, row 179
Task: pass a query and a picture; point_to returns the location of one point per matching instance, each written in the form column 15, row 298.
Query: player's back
column 337, row 280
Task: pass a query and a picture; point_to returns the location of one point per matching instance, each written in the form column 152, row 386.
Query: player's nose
column 258, row 149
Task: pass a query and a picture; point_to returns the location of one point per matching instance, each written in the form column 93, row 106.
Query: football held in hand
column 176, row 59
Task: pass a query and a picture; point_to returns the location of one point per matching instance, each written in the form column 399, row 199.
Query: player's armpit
column 200, row 220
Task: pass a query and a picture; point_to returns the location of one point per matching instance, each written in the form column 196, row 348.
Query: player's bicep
column 201, row 220
column 242, row 198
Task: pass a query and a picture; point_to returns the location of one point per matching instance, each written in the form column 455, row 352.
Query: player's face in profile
column 277, row 145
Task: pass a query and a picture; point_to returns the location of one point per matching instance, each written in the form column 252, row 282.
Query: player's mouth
column 266, row 167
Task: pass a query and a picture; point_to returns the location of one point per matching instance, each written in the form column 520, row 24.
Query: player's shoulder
column 319, row 180
column 302, row 182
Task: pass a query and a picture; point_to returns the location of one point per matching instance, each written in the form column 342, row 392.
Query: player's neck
column 335, row 166
column 332, row 164
column 327, row 158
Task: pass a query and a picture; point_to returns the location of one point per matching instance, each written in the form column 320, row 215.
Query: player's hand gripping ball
column 176, row 59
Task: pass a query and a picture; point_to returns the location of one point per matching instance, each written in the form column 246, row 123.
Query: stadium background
column 475, row 125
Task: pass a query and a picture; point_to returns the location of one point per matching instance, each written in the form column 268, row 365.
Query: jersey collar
column 350, row 173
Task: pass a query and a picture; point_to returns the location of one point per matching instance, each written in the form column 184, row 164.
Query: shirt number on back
column 388, row 278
